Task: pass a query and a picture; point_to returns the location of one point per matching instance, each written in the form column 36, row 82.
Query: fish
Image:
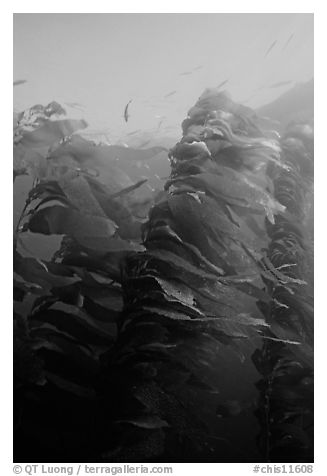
column 197, row 68
column 222, row 83
column 160, row 122
column 133, row 132
column 19, row 81
column 170, row 94
column 281, row 83
column 288, row 42
column 75, row 105
column 185, row 73
column 143, row 144
column 128, row 189
column 126, row 115
column 270, row 48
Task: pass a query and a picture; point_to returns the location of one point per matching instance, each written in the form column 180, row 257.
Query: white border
column 320, row 193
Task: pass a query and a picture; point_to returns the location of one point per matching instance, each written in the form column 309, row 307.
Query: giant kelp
column 65, row 308
column 286, row 411
column 187, row 294
column 118, row 335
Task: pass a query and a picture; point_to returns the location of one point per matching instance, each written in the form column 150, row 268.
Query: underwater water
column 163, row 227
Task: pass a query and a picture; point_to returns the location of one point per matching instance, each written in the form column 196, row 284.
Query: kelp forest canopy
column 170, row 323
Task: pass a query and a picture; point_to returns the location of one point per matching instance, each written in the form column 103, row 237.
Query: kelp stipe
column 286, row 408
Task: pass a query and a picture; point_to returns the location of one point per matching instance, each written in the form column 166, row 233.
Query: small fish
column 185, row 73
column 197, row 68
column 288, row 41
column 75, row 105
column 222, row 83
column 19, row 81
column 281, row 83
column 170, row 94
column 133, row 132
column 126, row 115
column 160, row 122
column 128, row 189
column 270, row 48
column 143, row 144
